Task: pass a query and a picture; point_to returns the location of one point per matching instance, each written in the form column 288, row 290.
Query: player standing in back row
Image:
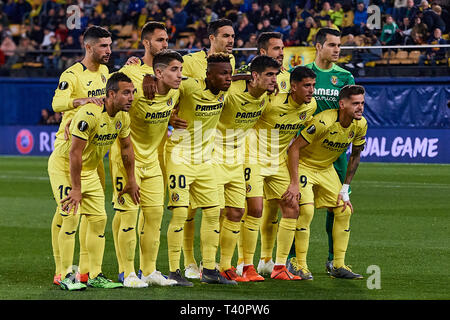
column 82, row 83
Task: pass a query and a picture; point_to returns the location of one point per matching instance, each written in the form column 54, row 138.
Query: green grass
column 400, row 224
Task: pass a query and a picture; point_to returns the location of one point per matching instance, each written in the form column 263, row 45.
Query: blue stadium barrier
column 390, row 102
column 408, row 118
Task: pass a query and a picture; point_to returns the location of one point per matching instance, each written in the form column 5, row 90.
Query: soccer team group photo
column 231, row 167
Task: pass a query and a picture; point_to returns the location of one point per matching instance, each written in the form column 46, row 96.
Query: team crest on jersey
column 121, row 200
column 63, row 85
column 351, row 135
column 103, row 78
column 248, row 188
column 175, row 197
column 302, row 115
column 283, row 85
column 118, row 125
column 262, row 103
column 221, row 98
column 334, row 80
column 169, row 102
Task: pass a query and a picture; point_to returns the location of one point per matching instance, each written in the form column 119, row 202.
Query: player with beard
column 82, row 83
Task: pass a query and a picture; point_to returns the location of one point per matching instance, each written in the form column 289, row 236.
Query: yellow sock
column 222, row 217
column 209, row 236
column 95, row 242
column 55, row 228
column 189, row 238
column 115, row 232
column 249, row 236
column 66, row 242
column 341, row 235
column 228, row 238
column 83, row 263
column 175, row 236
column 286, row 232
column 240, row 247
column 302, row 233
column 126, row 240
column 269, row 228
column 150, row 233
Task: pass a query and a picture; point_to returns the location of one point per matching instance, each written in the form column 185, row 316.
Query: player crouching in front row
column 310, row 161
column 79, row 190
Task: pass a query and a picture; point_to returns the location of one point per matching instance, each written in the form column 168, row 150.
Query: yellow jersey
column 283, row 81
column 195, row 64
column 240, row 113
column 276, row 128
column 328, row 139
column 149, row 118
column 93, row 124
column 201, row 109
column 74, row 83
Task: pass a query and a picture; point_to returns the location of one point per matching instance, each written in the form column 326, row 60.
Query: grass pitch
column 400, row 227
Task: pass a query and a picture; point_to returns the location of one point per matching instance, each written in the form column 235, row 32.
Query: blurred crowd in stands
column 48, row 117
column 34, row 33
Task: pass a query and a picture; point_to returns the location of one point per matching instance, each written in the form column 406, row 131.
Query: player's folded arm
column 62, row 100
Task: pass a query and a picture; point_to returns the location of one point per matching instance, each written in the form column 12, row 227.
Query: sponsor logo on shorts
column 175, row 197
column 121, row 200
column 248, row 188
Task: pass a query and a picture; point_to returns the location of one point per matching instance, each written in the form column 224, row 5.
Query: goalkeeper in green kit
column 330, row 79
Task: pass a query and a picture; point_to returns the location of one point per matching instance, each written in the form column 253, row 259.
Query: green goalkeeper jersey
column 328, row 85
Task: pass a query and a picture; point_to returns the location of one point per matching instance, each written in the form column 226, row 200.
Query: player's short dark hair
column 163, row 58
column 113, row 81
column 150, row 27
column 351, row 90
column 300, row 72
column 218, row 57
column 214, row 26
column 321, row 35
column 260, row 63
column 95, row 33
column 264, row 37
